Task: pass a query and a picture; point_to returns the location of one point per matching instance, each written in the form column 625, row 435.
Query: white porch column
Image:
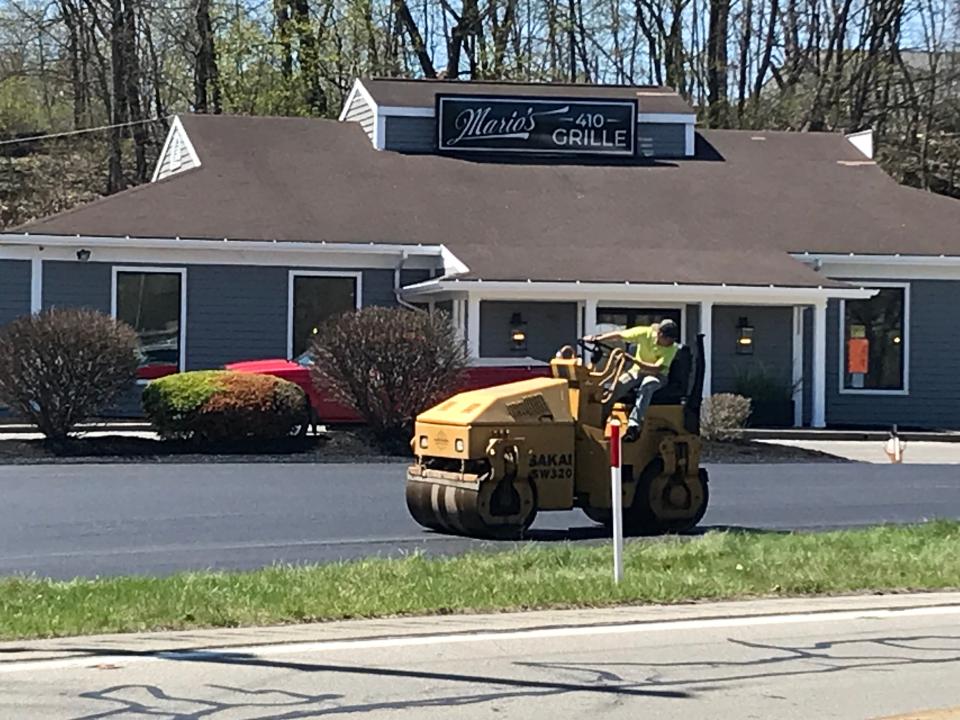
column 706, row 327
column 36, row 284
column 819, row 416
column 473, row 325
column 798, row 366
column 589, row 317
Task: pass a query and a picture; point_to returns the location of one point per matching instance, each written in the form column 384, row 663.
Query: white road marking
column 295, row 648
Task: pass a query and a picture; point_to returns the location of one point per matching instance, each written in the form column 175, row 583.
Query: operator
column 656, row 348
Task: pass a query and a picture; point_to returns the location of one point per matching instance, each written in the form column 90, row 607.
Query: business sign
column 471, row 124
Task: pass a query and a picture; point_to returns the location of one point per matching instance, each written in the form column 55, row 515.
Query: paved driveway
column 69, row 520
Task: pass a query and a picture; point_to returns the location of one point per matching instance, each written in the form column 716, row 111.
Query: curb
column 850, row 435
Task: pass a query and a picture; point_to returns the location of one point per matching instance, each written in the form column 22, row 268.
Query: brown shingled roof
column 730, row 215
column 422, row 93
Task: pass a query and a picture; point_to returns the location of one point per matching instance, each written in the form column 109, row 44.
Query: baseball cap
column 669, row 329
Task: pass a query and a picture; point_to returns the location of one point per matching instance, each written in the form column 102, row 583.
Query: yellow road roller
column 487, row 461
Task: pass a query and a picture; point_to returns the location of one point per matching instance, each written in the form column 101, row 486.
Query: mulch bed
column 336, row 446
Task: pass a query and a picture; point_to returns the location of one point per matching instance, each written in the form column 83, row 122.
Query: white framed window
column 153, row 301
column 874, row 347
column 313, row 297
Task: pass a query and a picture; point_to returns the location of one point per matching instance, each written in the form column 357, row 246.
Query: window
column 152, row 303
column 315, row 297
column 619, row 318
column 874, row 348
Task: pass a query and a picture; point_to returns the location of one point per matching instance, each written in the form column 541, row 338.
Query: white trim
column 176, row 130
column 689, row 140
column 398, row 111
column 36, row 283
column 293, row 274
column 893, row 267
column 268, row 246
column 797, row 377
column 182, row 272
column 706, row 327
column 379, row 132
column 667, row 118
column 580, row 318
column 590, row 308
column 473, row 325
column 905, row 391
column 231, row 252
column 862, row 141
column 641, row 292
column 163, row 154
column 357, row 89
column 818, row 417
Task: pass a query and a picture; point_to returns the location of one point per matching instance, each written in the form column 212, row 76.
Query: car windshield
column 305, row 360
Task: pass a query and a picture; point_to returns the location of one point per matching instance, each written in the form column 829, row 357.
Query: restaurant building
column 534, row 214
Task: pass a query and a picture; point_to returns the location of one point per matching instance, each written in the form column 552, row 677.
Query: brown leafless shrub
column 388, row 364
column 61, row 367
column 723, row 416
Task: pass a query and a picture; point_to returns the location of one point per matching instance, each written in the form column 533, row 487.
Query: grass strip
column 718, row 565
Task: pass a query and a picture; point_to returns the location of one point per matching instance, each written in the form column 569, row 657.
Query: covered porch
column 780, row 332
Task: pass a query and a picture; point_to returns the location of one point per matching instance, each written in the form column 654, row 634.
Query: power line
column 82, row 131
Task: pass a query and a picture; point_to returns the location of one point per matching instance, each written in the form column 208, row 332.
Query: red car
column 483, row 372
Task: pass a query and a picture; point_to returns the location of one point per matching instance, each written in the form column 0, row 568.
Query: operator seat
column 678, row 379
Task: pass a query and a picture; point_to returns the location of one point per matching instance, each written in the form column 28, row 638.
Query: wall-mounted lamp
column 744, row 337
column 83, row 254
column 518, row 335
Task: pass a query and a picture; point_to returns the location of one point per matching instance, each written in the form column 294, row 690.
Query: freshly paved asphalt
column 707, row 661
column 81, row 520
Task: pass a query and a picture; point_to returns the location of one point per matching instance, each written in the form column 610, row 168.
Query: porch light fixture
column 83, row 254
column 744, row 337
column 518, row 335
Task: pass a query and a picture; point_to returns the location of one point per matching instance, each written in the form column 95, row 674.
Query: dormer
column 470, row 118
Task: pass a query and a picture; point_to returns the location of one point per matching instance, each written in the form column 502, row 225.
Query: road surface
column 710, row 662
column 82, row 520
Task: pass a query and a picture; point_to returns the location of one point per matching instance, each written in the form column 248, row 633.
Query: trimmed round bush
column 218, row 406
column 61, row 367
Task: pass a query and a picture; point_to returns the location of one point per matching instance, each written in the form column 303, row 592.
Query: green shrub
column 59, row 367
column 723, row 415
column 217, row 406
column 389, row 364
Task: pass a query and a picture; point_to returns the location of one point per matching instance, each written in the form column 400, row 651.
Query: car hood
column 263, row 366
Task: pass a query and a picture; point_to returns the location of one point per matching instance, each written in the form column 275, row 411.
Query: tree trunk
column 206, row 72
column 717, row 62
column 416, row 39
column 316, row 98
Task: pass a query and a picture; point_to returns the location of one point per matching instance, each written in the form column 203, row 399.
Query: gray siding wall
column 361, row 112
column 410, row 134
column 549, row 327
column 14, row 289
column 934, row 347
column 773, row 344
column 418, row 135
column 77, row 284
column 235, row 313
column 661, row 140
